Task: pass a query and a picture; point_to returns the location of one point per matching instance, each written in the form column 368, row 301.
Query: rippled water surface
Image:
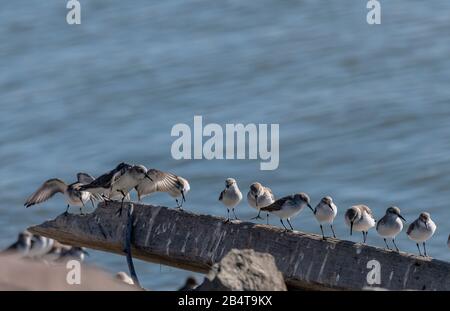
column 363, row 110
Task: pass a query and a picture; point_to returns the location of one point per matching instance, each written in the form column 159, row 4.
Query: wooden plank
column 194, row 242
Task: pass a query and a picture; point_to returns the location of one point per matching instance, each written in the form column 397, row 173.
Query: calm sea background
column 364, row 111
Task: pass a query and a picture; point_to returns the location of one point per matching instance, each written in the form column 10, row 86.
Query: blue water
column 363, row 110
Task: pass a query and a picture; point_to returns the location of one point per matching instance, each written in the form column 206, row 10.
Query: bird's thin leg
column 289, row 222
column 332, row 229
column 267, row 218
column 283, row 224
column 257, row 216
column 386, row 244
column 424, row 250
column 364, row 237
column 395, row 245
column 420, row 253
column 228, row 215
column 179, row 205
column 67, row 210
column 81, row 207
column 321, row 229
column 119, row 212
column 235, row 217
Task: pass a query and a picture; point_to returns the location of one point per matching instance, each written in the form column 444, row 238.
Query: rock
column 242, row 270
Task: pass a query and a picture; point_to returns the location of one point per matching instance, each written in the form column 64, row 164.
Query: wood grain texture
column 195, row 242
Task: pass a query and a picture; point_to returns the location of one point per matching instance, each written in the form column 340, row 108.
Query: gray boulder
column 242, row 270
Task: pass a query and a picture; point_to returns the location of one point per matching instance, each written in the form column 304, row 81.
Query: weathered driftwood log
column 195, row 242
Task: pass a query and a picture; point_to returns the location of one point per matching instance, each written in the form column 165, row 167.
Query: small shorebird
column 360, row 218
column 288, row 207
column 325, row 213
column 421, row 230
column 390, row 225
column 75, row 196
column 127, row 181
column 174, row 185
column 103, row 184
column 22, row 245
column 258, row 197
column 230, row 196
column 40, row 246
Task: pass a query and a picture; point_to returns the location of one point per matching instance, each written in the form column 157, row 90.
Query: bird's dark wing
column 277, row 205
column 221, row 195
column 411, row 228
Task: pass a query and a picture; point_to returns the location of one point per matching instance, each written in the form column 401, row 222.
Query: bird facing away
column 360, row 218
column 259, row 196
column 325, row 212
column 390, row 225
column 22, row 245
column 288, row 207
column 174, row 185
column 75, row 196
column 421, row 230
column 230, row 196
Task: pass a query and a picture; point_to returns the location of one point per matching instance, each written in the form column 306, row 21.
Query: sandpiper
column 127, row 181
column 40, row 246
column 390, row 225
column 103, row 184
column 22, row 245
column 360, row 218
column 174, row 185
column 230, row 196
column 288, row 207
column 421, row 230
column 325, row 213
column 258, row 197
column 75, row 196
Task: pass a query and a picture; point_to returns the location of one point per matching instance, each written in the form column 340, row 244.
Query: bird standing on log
column 390, row 225
column 174, row 185
column 259, row 196
column 360, row 218
column 75, row 195
column 325, row 212
column 421, row 230
column 230, row 196
column 288, row 207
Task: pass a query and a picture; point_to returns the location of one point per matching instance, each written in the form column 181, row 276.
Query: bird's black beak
column 329, row 205
column 146, row 176
column 351, row 227
column 86, row 253
column 310, row 207
column 401, row 217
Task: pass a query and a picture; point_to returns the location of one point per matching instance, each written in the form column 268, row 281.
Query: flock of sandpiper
column 119, row 182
